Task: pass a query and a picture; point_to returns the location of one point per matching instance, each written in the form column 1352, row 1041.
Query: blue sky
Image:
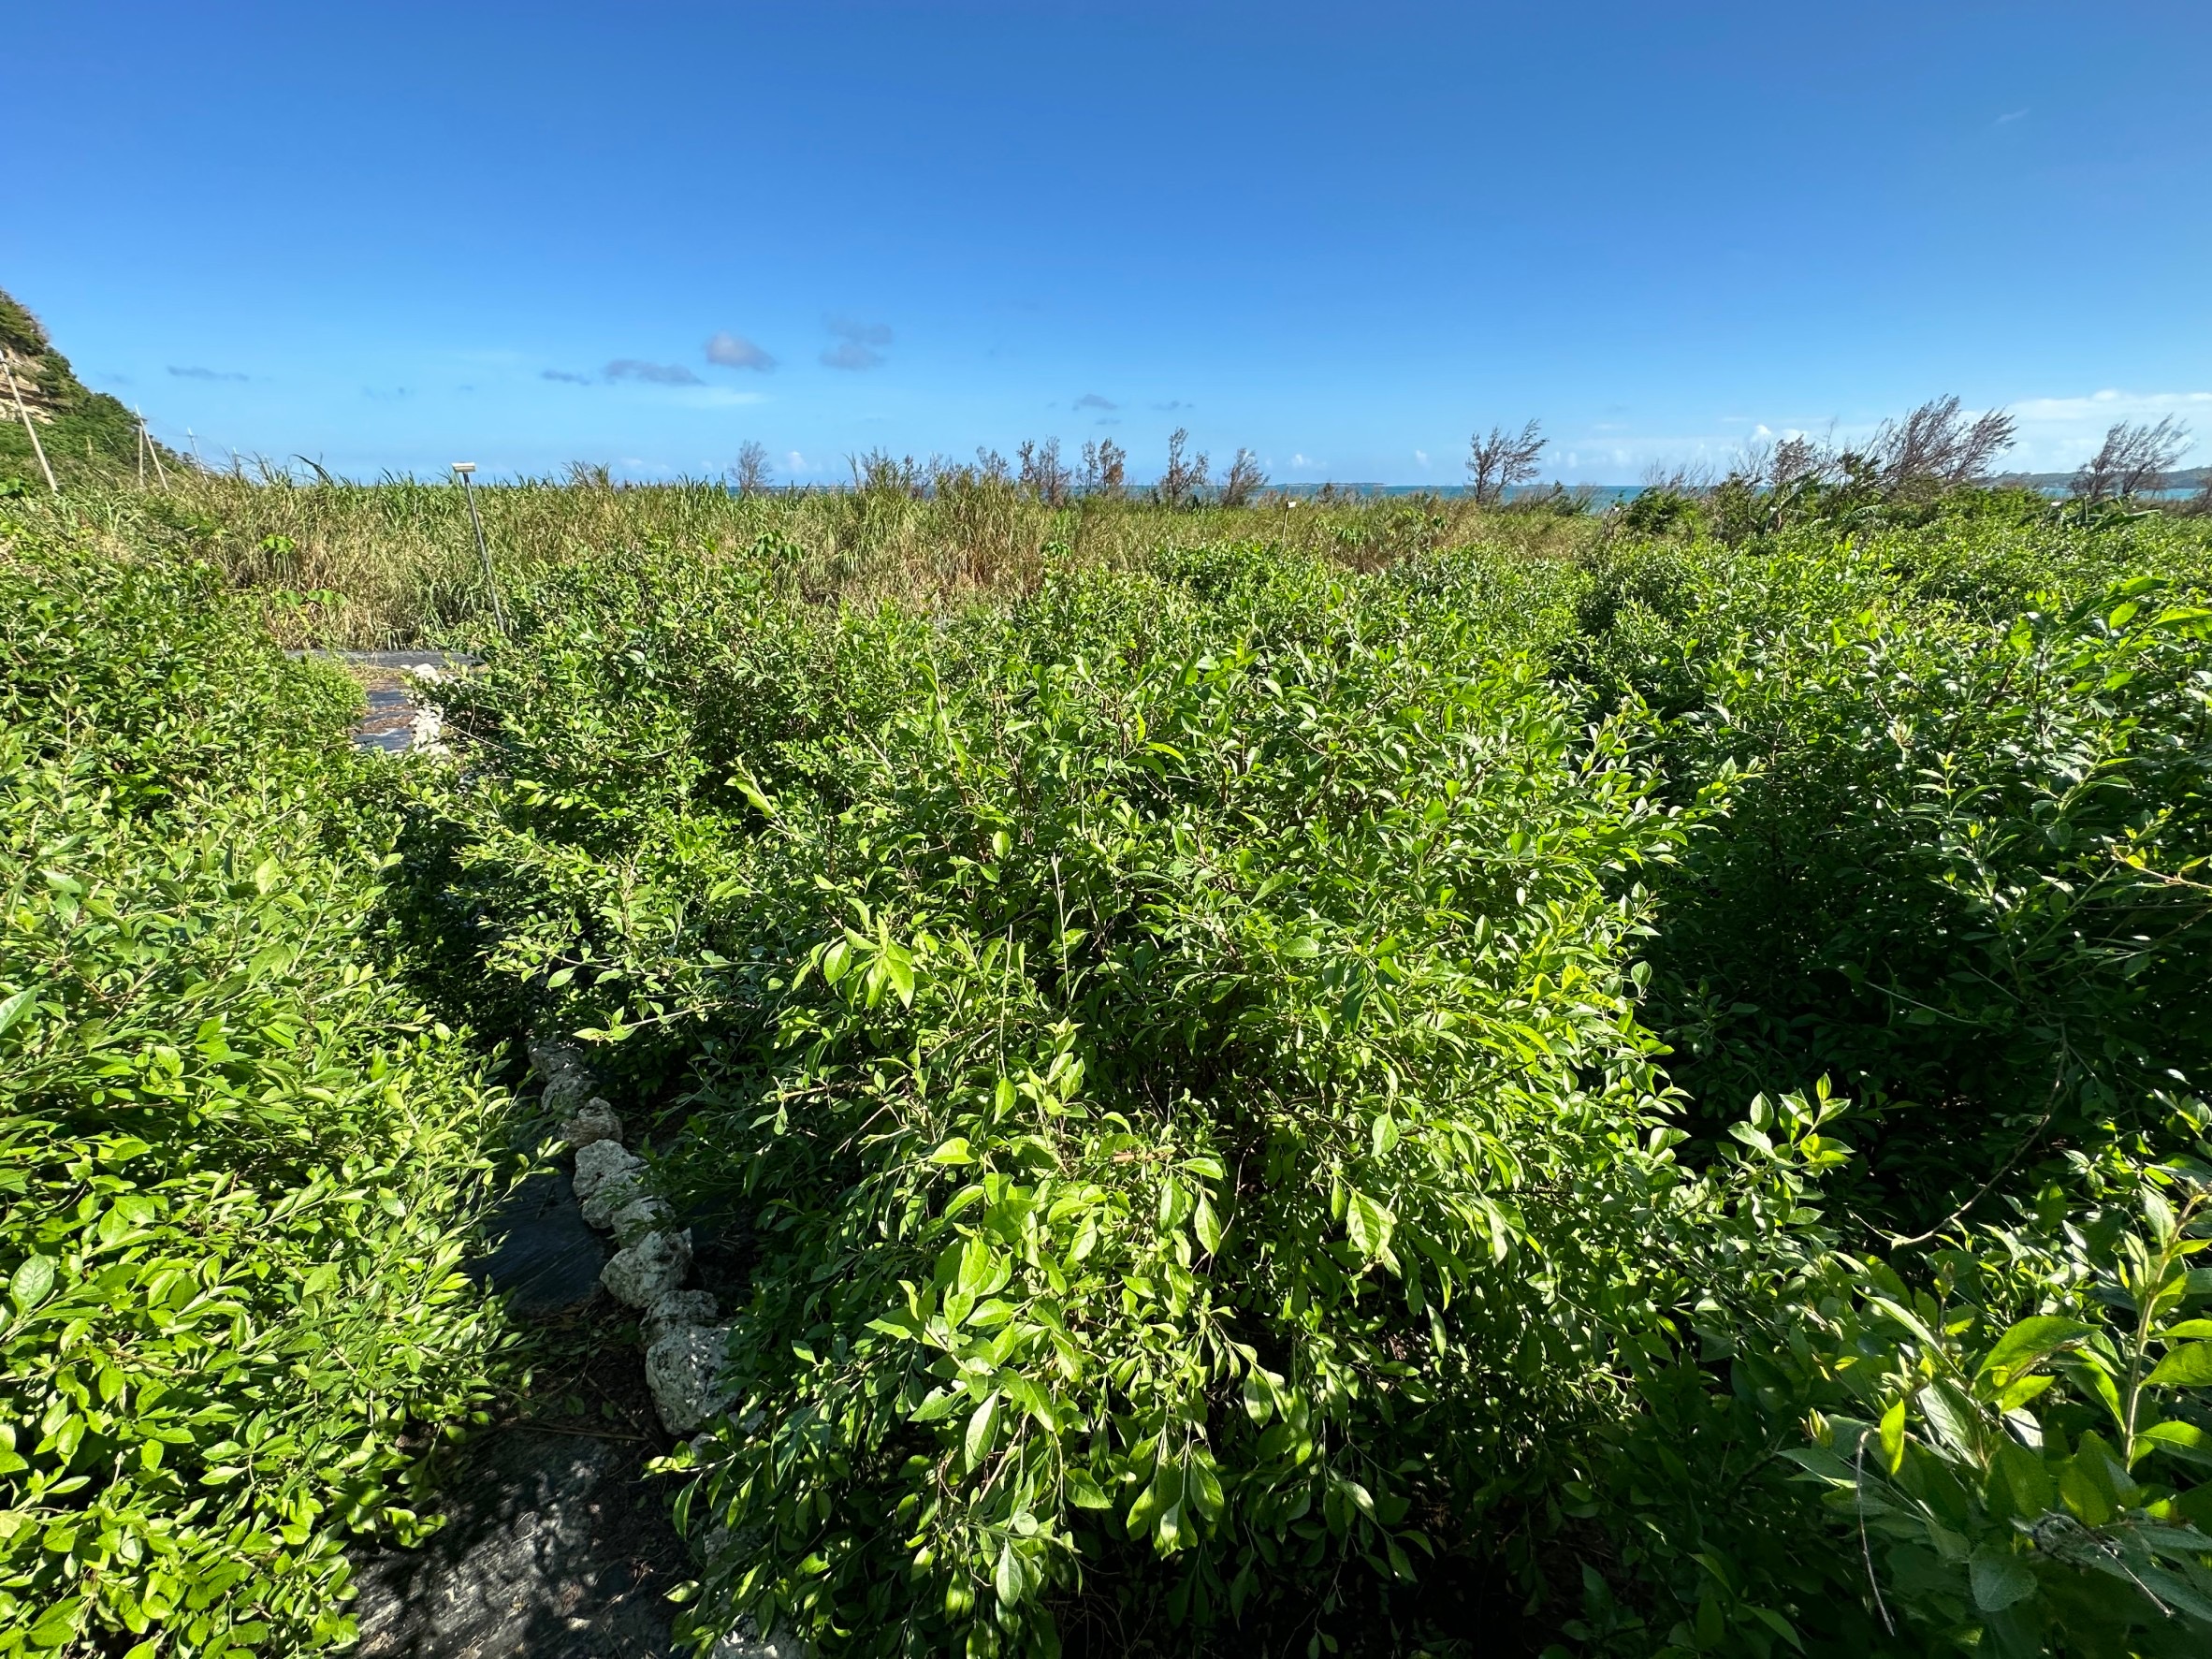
column 391, row 236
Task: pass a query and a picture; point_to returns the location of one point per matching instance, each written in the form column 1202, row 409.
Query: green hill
column 87, row 435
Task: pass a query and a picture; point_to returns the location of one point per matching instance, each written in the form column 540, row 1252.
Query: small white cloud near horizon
column 734, row 351
column 794, row 462
column 859, row 343
column 653, row 374
column 1303, row 462
column 1422, row 457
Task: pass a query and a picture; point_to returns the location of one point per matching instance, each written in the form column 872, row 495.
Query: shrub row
column 237, row 1162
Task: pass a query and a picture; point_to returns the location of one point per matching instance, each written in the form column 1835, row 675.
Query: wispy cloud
column 857, row 345
column 2056, row 434
column 733, row 351
column 564, row 374
column 1091, row 401
column 1174, row 403
column 198, row 374
column 1303, row 462
column 2008, row 120
column 1420, row 457
column 657, row 373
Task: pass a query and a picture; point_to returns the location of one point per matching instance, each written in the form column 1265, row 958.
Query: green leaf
column 31, row 1281
column 1892, row 1433
column 2000, row 1578
column 1084, row 1492
column 982, row 1428
column 2183, row 1440
column 13, row 1008
column 2028, row 1344
column 1203, row 1488
column 1207, row 1225
column 900, row 966
column 1260, row 1397
column 2033, row 1492
column 1007, row 1579
column 1369, row 1226
column 2189, row 1366
column 953, row 1152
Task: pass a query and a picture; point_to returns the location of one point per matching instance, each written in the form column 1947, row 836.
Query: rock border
column 686, row 1353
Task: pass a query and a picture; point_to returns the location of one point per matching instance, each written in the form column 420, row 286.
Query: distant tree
column 751, row 472
column 1500, row 460
column 991, row 466
column 1043, row 474
column 1105, row 468
column 2134, row 457
column 1185, row 476
column 1936, row 447
column 1244, row 479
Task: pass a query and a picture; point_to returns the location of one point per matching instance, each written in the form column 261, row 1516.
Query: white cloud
column 1304, row 462
column 2056, row 434
column 860, row 340
column 733, row 351
column 1421, row 456
column 656, row 373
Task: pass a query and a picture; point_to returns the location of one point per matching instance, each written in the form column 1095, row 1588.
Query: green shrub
column 1177, row 1041
column 237, row 1160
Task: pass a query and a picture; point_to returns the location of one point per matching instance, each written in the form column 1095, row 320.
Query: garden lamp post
column 483, row 551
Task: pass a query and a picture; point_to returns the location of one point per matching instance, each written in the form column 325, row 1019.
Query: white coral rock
column 600, row 1161
column 675, row 1311
column 685, row 1372
column 746, row 1642
column 597, row 1121
column 634, row 1219
column 642, row 1273
column 569, row 1092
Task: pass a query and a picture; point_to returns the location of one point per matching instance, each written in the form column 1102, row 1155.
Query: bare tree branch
column 1936, row 447
column 1500, row 460
column 2134, row 457
column 1243, row 480
column 1105, row 468
column 751, row 472
column 1185, row 476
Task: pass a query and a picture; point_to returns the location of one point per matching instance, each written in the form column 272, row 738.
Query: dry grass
column 391, row 564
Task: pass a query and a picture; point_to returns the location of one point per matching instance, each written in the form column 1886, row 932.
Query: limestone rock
column 552, row 1056
column 634, row 1219
column 685, row 1372
column 597, row 1121
column 599, row 1162
column 568, row 1093
column 746, row 1642
column 675, row 1311
column 644, row 1271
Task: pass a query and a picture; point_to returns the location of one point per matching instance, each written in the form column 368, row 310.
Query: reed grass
column 393, row 564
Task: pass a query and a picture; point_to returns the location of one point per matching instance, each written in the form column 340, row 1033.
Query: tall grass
column 394, row 563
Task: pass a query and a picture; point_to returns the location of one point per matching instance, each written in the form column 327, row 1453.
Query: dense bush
column 1272, row 1086
column 237, row 1162
column 1195, row 1047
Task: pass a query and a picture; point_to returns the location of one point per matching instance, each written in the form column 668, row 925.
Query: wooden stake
column 37, row 449
column 160, row 472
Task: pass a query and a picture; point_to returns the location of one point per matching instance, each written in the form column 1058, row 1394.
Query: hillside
column 87, row 435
